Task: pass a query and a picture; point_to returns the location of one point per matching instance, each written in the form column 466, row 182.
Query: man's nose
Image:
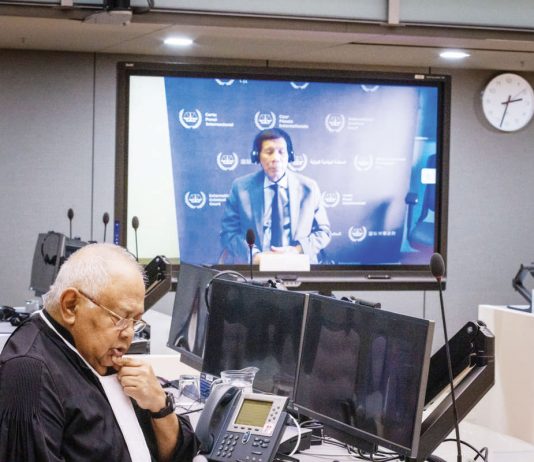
column 127, row 333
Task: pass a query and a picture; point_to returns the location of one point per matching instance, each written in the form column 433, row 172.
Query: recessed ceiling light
column 454, row 54
column 178, row 41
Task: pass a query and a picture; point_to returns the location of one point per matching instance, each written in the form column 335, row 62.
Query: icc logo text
column 300, row 163
column 357, row 234
column 265, row 120
column 331, row 199
column 190, row 119
column 334, row 123
column 227, row 162
column 195, row 200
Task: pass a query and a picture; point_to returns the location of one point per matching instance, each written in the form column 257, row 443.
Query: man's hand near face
column 140, row 383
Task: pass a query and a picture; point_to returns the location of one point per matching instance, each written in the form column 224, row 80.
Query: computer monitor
column 363, row 373
column 189, row 314
column 376, row 144
column 46, row 261
column 257, row 326
column 51, row 251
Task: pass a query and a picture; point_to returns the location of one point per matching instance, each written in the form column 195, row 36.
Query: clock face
column 508, row 102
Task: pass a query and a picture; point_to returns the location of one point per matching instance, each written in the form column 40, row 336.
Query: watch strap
column 167, row 409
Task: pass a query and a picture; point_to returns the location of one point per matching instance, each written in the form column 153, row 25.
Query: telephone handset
column 241, row 426
column 212, row 416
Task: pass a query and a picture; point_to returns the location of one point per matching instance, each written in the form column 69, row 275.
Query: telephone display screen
column 253, row 413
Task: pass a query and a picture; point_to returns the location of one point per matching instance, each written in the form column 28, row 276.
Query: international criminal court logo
column 299, row 85
column 363, row 162
column 190, row 119
column 370, row 88
column 357, row 233
column 195, row 200
column 225, row 82
column 334, row 123
column 300, row 163
column 331, row 199
column 265, row 120
column 227, row 162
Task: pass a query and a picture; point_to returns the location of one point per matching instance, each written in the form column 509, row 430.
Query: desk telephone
column 241, row 426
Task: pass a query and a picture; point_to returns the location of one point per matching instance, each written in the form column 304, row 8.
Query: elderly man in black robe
column 67, row 393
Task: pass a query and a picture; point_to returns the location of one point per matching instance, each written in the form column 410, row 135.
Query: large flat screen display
column 363, row 373
column 368, row 161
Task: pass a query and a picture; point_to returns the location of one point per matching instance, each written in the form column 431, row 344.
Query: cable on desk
column 483, row 453
column 378, row 456
column 299, row 433
column 350, row 451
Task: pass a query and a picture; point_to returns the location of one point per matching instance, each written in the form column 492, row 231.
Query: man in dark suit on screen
column 282, row 207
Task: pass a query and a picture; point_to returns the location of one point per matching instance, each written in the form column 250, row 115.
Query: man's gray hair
column 89, row 269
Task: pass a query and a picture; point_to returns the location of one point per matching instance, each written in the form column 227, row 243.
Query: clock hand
column 506, row 103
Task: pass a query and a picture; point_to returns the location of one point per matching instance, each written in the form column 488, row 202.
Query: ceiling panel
column 242, row 38
column 65, row 34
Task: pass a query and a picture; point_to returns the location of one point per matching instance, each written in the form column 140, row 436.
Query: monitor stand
column 473, row 341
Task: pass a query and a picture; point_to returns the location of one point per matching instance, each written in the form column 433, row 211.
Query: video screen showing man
column 68, row 393
column 282, row 207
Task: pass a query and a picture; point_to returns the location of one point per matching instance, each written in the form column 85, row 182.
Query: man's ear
column 68, row 303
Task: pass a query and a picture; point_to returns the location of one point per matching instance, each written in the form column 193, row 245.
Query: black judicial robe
column 53, row 408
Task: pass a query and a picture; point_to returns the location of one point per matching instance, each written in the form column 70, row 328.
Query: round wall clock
column 508, row 102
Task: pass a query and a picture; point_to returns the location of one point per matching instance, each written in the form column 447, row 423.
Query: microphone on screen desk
column 105, row 220
column 135, row 225
column 250, row 238
column 70, row 216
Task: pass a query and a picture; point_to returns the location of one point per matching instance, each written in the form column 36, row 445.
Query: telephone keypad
column 249, row 443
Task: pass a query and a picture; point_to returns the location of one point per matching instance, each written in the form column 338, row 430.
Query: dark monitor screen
column 255, row 326
column 47, row 259
column 363, row 373
column 189, row 314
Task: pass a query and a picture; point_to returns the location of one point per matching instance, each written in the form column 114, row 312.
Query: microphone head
column 105, row 218
column 250, row 237
column 135, row 223
column 437, row 266
column 70, row 214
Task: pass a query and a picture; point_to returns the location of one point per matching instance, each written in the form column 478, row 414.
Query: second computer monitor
column 255, row 326
column 363, row 373
column 189, row 315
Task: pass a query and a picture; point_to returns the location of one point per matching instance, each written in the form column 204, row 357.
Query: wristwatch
column 167, row 409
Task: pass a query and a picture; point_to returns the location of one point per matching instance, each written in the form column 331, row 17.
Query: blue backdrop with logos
column 369, row 147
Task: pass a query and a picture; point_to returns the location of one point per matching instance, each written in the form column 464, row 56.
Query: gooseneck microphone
column 105, row 220
column 250, row 238
column 437, row 268
column 135, row 225
column 70, row 215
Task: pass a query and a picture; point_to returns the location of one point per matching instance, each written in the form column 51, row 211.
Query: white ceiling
column 273, row 39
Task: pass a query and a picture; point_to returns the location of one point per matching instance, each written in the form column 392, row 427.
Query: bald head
column 92, row 269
